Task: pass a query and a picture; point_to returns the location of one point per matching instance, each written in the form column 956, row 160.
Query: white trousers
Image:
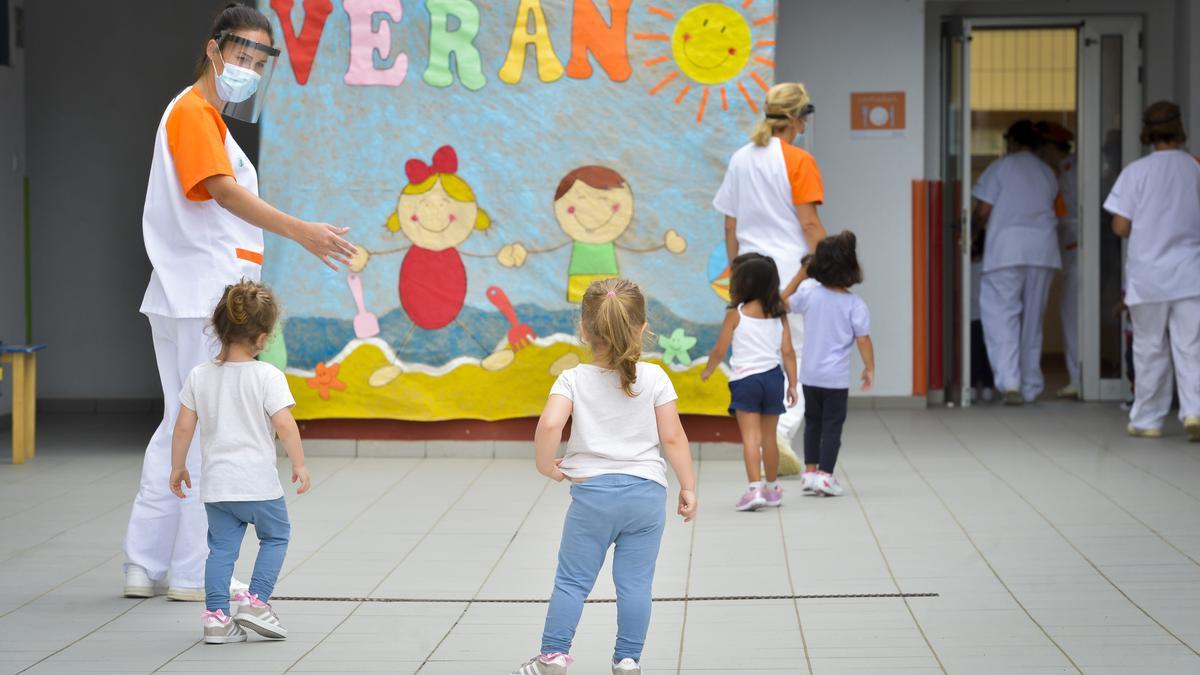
column 791, row 421
column 167, row 535
column 1164, row 332
column 1012, row 303
column 1069, row 313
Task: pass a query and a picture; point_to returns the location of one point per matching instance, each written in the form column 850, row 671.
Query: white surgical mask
column 236, row 84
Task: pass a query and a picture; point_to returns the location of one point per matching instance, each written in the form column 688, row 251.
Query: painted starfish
column 675, row 348
column 326, row 379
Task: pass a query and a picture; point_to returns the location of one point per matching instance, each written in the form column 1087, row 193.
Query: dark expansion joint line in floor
column 601, row 601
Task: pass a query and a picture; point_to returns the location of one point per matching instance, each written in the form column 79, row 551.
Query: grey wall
column 99, row 77
column 1187, row 75
column 12, row 171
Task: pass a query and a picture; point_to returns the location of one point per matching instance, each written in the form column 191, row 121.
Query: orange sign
column 877, row 111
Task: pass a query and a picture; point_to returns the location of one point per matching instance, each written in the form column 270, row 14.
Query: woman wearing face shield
column 202, row 226
column 769, row 198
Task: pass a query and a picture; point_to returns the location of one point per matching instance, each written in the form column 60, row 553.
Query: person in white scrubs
column 1155, row 203
column 769, row 198
column 1015, row 203
column 202, row 226
column 1056, row 151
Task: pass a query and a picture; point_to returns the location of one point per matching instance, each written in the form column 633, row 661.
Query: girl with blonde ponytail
column 624, row 421
column 769, row 199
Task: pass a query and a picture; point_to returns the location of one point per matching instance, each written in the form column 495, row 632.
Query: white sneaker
column 138, row 583
column 1143, row 433
column 236, row 587
column 1191, row 425
column 808, row 481
column 185, row 594
column 546, row 664
column 1069, row 392
column 828, row 485
column 626, row 666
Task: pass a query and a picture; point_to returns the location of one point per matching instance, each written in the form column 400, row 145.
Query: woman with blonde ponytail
column 769, row 199
column 624, row 421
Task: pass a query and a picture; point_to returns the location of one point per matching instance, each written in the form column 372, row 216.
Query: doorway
column 1080, row 75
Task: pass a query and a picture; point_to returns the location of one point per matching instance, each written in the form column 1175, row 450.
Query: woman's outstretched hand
column 325, row 241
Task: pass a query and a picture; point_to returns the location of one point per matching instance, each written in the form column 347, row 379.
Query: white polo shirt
column 1160, row 195
column 761, row 189
column 195, row 246
column 1023, row 228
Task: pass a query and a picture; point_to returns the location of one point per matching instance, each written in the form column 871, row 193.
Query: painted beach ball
column 718, row 272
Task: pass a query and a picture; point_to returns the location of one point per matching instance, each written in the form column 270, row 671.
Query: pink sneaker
column 752, row 500
column 773, row 497
column 827, row 485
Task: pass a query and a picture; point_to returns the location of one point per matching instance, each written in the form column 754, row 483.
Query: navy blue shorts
column 761, row 393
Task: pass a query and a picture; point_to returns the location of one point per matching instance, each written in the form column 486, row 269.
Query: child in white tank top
column 756, row 327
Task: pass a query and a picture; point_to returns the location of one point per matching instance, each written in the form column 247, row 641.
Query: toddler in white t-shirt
column 239, row 404
column 623, row 420
column 836, row 320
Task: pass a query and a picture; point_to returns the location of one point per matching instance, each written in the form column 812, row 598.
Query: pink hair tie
column 612, row 294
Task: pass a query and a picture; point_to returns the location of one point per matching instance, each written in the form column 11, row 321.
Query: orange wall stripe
column 920, row 317
column 251, row 256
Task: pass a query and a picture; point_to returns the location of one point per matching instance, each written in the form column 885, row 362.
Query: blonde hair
column 614, row 314
column 787, row 99
column 245, row 311
column 458, row 190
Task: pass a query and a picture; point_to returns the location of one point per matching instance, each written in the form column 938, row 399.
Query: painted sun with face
column 712, row 44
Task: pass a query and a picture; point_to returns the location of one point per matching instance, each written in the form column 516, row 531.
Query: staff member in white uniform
column 1156, row 205
column 202, row 226
column 1056, row 151
column 769, row 198
column 1015, row 202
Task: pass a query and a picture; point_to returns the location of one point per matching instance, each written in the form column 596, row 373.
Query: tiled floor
column 1054, row 543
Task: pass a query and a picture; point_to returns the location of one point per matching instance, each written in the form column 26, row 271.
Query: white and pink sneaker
column 827, row 485
column 546, row 664
column 752, row 499
column 220, row 629
column 774, row 496
column 251, row 612
column 808, row 481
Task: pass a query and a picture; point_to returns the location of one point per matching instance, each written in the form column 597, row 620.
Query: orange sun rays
column 705, row 90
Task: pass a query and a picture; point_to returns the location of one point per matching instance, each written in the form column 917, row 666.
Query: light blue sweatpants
column 611, row 509
column 226, row 526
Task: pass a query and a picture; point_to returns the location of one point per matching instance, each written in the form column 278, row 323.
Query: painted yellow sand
column 470, row 392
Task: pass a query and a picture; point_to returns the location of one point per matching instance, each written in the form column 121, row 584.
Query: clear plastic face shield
column 242, row 70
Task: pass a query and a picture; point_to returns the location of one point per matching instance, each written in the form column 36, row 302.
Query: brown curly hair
column 247, row 310
column 835, row 262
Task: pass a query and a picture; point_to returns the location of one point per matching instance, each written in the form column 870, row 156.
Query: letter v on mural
column 493, row 158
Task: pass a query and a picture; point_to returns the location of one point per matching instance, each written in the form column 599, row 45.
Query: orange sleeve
column 1060, row 205
column 196, row 137
column 803, row 175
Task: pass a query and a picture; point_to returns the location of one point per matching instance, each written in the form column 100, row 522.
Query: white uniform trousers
column 1069, row 313
column 1164, row 332
column 791, row 421
column 1012, row 303
column 167, row 535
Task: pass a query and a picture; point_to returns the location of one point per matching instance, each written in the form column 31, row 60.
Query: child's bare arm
column 679, row 455
column 731, row 240
column 549, row 433
column 181, row 440
column 289, row 435
column 790, row 289
column 867, row 350
column 717, row 355
column 788, row 352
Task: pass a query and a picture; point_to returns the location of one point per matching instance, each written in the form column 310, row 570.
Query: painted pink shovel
column 366, row 324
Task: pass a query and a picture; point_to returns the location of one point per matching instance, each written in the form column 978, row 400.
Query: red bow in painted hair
column 445, row 160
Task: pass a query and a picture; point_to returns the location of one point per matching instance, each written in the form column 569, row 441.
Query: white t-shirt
column 757, row 345
column 761, row 189
column 196, row 247
column 1160, row 195
column 235, row 401
column 832, row 322
column 612, row 432
column 1022, row 229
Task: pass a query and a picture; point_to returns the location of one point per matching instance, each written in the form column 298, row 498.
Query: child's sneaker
column 752, row 500
column 828, row 485
column 625, row 666
column 774, row 496
column 809, row 481
column 546, row 664
column 258, row 616
column 220, row 629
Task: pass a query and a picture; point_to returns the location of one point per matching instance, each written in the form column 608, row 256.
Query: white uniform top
column 1022, row 229
column 833, row 321
column 234, row 402
column 195, row 246
column 761, row 189
column 1160, row 195
column 757, row 345
column 612, row 432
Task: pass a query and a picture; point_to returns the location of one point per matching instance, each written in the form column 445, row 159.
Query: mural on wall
column 493, row 158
